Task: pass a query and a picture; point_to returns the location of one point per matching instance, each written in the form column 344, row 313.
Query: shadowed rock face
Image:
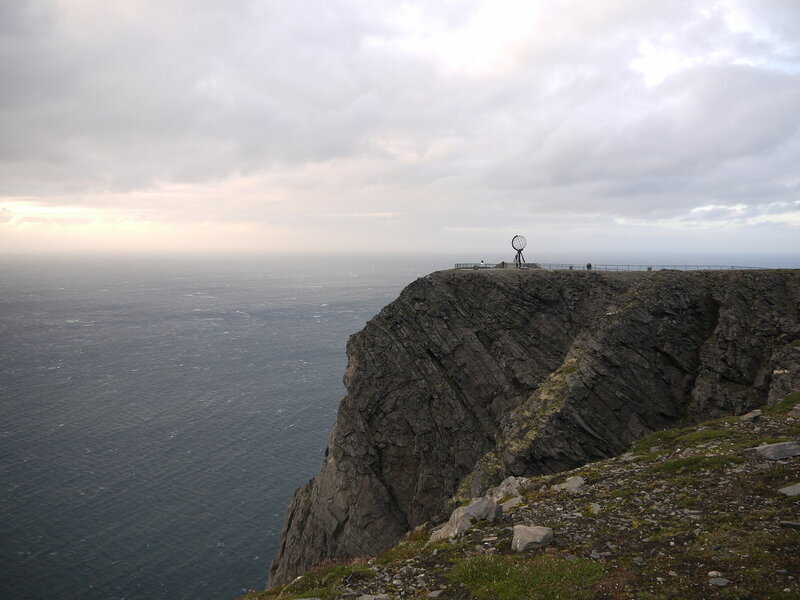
column 470, row 376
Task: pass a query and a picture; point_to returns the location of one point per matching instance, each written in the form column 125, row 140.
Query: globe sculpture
column 518, row 242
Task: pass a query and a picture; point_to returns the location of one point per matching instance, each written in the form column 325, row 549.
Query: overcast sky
column 603, row 127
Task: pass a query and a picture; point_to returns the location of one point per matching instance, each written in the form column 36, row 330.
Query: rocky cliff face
column 471, row 376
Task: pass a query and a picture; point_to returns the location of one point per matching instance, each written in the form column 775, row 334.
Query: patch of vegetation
column 623, row 493
column 692, row 464
column 548, row 400
column 784, row 406
column 413, row 545
column 659, row 438
column 702, row 436
column 543, row 577
column 685, row 501
column 318, row 583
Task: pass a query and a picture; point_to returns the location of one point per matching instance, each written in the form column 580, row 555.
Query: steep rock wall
column 471, row 376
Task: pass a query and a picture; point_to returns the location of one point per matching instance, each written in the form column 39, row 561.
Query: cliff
column 469, row 377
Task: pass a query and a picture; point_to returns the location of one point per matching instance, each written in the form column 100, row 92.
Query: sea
column 156, row 414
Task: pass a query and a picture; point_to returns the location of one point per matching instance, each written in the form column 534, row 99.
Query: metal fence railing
column 575, row 267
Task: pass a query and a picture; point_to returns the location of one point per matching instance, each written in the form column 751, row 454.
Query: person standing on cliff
column 588, row 266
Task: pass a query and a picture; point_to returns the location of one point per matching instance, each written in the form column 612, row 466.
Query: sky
column 614, row 127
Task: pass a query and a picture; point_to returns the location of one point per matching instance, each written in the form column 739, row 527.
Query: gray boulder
column 791, row 491
column 526, row 537
column 573, row 485
column 463, row 517
column 753, row 415
column 510, row 486
column 777, row 451
column 511, row 503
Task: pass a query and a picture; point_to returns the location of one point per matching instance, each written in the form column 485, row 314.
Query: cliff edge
column 472, row 376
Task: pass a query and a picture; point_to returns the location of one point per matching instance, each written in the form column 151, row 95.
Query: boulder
column 573, row 485
column 463, row 517
column 777, row 451
column 753, row 415
column 526, row 537
column 510, row 486
column 791, row 491
column 511, row 503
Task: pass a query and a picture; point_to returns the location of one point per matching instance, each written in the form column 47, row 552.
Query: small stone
column 792, row 490
column 375, row 597
column 638, row 560
column 718, row 581
column 795, row 412
column 777, row 451
column 672, row 574
column 714, row 574
column 595, row 508
column 435, row 593
column 595, row 555
column 790, row 524
column 530, row 537
column 751, row 416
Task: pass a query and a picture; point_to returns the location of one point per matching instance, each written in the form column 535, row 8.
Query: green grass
column 702, row 436
column 659, row 438
column 413, row 545
column 542, row 577
column 318, row 583
column 784, row 406
column 692, row 464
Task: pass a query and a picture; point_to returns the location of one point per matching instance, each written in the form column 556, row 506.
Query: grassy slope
column 682, row 503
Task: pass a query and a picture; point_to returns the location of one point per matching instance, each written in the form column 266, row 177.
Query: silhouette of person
column 588, row 266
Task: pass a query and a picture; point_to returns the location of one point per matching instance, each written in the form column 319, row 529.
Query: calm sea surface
column 156, row 414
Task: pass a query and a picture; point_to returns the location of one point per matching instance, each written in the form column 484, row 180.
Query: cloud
column 450, row 115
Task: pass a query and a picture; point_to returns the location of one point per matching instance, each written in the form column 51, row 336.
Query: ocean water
column 156, row 414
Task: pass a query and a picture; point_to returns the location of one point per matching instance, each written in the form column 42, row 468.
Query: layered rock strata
column 473, row 376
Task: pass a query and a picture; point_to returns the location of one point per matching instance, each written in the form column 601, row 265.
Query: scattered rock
column 526, row 537
column 790, row 524
column 637, row 560
column 435, row 593
column 792, row 490
column 777, row 451
column 714, row 574
column 718, row 581
column 573, row 485
column 595, row 508
column 753, row 415
column 795, row 412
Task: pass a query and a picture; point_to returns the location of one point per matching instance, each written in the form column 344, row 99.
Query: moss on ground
column 542, row 577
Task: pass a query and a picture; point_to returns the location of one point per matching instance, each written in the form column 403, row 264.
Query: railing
column 574, row 267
